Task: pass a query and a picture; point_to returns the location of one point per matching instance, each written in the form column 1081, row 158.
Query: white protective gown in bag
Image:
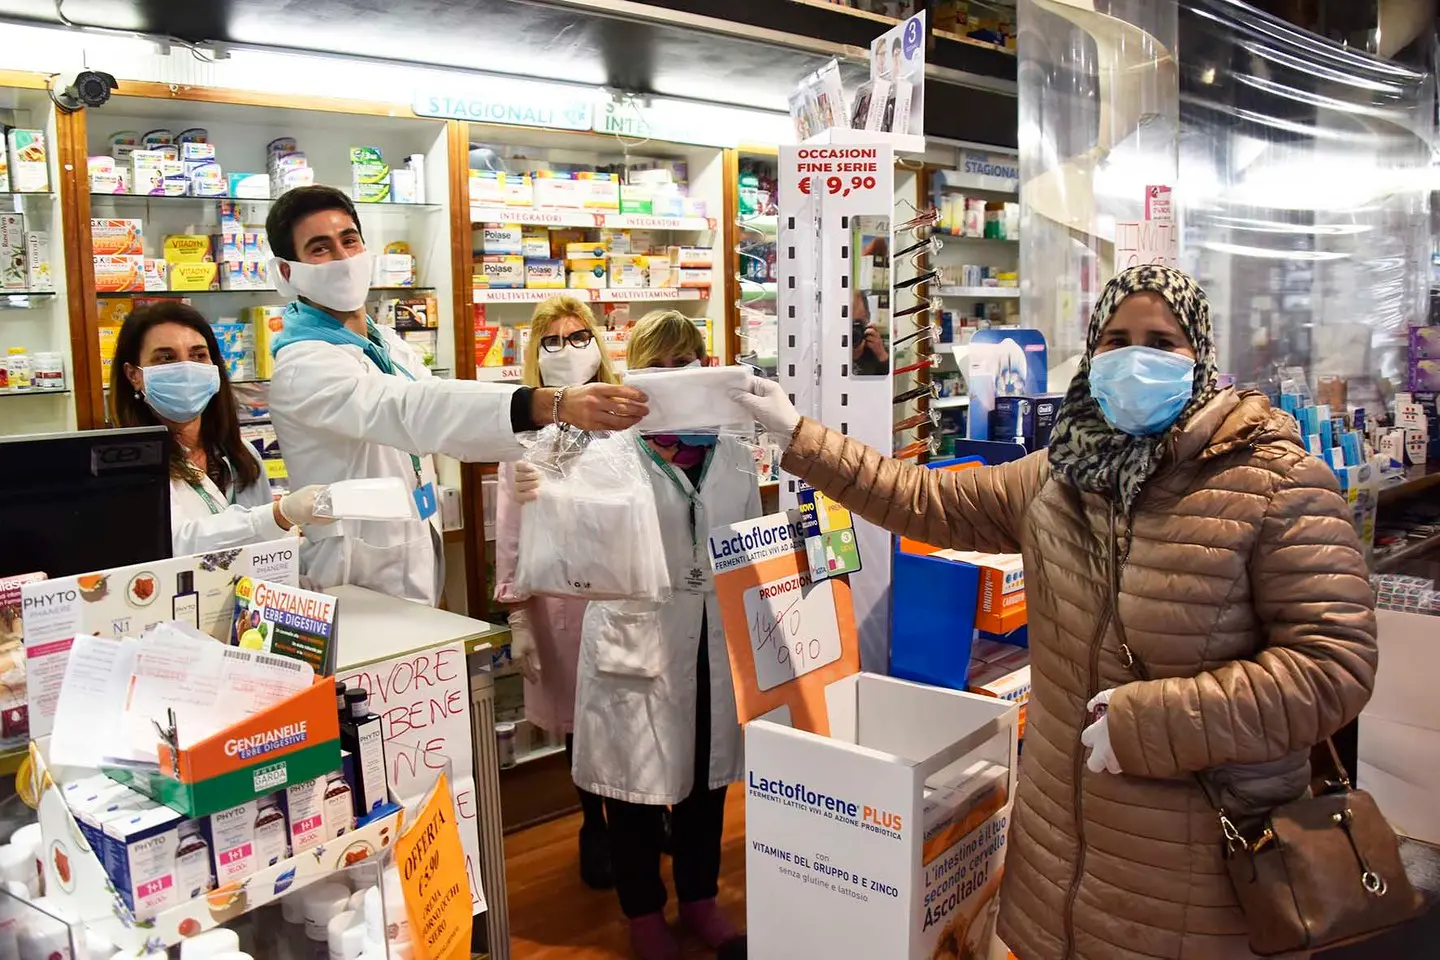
column 197, row 526
column 635, row 695
column 340, row 417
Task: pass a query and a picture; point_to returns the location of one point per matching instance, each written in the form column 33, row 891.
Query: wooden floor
column 554, row 915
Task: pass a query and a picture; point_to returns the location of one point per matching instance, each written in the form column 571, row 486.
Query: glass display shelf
column 223, row 293
column 145, row 198
column 8, row 393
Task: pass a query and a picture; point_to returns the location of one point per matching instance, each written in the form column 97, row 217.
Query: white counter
column 372, row 627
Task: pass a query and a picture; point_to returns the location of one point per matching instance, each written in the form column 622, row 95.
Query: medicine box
column 157, row 275
column 686, row 277
column 194, row 276
column 627, row 272
column 119, row 274
column 587, row 250
column 116, row 237
column 364, row 192
column 38, row 273
column 545, row 274
column 558, row 192
column 599, row 191
column 305, row 813
column 1424, row 374
column 394, row 270
column 4, row 170
column 248, row 186
column 691, row 256
column 535, row 245
column 140, row 857
column 503, row 238
column 29, row 161
column 188, row 248
column 231, row 835
column 590, row 272
column 12, row 252
column 367, row 165
column 500, row 272
column 487, row 187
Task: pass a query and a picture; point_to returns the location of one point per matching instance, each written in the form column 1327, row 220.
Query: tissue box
column 503, row 239
column 545, row 274
column 109, row 238
column 188, row 248
column 119, row 274
column 194, row 276
column 500, row 273
column 29, row 161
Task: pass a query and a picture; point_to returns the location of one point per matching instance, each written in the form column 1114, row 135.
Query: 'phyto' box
column 141, row 859
column 231, row 835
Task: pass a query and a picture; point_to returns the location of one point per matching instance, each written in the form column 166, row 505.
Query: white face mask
column 338, row 284
column 570, row 366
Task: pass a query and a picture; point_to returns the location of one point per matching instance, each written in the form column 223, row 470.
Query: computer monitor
column 72, row 503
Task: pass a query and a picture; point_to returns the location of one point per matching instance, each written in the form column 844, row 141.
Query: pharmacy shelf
column 647, row 295
column 753, row 292
column 511, row 374
column 947, row 238
column 10, row 760
column 27, row 293
column 1395, row 560
column 949, row 403
column 1417, row 479
column 122, row 199
column 4, row 394
column 538, row 754
column 542, row 217
column 979, row 293
column 225, row 293
column 22, row 194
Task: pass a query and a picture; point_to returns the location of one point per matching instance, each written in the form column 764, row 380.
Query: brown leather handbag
column 1319, row 872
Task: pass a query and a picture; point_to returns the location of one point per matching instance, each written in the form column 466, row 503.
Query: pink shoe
column 704, row 919
column 651, row 939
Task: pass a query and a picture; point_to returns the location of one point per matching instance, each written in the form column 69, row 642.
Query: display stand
column 835, row 240
column 888, row 837
column 413, row 661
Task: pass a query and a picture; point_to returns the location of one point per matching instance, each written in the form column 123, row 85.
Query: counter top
column 372, row 626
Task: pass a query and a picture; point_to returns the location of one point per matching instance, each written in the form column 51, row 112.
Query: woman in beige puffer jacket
column 1242, row 590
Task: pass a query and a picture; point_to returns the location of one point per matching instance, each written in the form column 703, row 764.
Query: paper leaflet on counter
column 133, row 691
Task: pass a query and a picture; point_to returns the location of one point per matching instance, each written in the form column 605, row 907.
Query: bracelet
column 555, row 410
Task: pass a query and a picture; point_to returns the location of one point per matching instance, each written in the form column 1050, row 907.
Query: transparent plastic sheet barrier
column 593, row 532
column 1304, row 183
column 1300, row 172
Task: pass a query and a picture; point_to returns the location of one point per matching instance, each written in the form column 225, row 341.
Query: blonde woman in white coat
column 663, row 733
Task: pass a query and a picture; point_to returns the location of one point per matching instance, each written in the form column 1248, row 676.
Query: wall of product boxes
column 226, row 249
column 26, row 265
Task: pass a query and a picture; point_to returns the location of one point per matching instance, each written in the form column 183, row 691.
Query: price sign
column 837, row 171
column 838, row 185
column 793, row 629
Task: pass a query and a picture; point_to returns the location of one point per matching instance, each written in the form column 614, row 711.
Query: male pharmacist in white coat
column 350, row 399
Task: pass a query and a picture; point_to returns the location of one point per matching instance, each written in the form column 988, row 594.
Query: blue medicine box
column 933, row 620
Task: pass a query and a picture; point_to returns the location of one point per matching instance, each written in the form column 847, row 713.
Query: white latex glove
column 765, row 400
column 298, row 507
column 522, row 644
column 1097, row 736
column 525, row 484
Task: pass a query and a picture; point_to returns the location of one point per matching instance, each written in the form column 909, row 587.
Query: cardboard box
column 13, row 275
column 189, row 248
column 1008, row 620
column 157, row 275
column 627, row 272
column 587, row 250
column 38, row 270
column 557, row 191
column 500, row 273
column 1424, row 344
column 691, row 256
column 140, row 849
column 507, row 239
column 536, row 245
column 29, row 161
column 688, row 278
column 119, row 274
column 587, row 274
column 116, row 238
column 545, row 274
column 194, row 276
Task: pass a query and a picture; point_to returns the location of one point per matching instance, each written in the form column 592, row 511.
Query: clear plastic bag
column 593, row 531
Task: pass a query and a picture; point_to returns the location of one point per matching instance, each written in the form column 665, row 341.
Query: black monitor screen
column 73, row 503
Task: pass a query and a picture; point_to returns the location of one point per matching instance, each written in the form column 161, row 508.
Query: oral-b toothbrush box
column 1003, row 363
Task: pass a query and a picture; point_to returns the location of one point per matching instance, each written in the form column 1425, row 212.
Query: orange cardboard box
column 1007, row 621
column 111, row 238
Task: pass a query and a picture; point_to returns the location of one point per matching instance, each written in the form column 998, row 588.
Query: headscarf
column 1086, row 450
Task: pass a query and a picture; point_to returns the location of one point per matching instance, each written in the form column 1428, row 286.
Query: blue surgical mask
column 179, row 392
column 1141, row 391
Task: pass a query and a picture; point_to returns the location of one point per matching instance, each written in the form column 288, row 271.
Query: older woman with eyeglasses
column 564, row 350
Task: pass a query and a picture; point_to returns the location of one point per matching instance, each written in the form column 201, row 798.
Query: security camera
column 90, row 89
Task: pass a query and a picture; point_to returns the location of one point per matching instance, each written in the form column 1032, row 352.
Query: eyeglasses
column 554, row 343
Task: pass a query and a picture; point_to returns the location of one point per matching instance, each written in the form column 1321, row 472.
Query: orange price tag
column 432, row 875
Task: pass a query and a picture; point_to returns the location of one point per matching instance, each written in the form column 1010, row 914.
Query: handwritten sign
column 1144, row 242
column 432, row 875
column 792, row 628
column 423, row 700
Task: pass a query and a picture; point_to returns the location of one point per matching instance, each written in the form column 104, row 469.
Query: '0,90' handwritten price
column 838, row 185
column 780, row 634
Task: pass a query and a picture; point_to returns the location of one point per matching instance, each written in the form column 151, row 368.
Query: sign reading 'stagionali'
column 432, row 874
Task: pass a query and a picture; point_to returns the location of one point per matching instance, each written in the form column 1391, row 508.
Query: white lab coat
column 250, row 519
column 634, row 733
column 340, row 417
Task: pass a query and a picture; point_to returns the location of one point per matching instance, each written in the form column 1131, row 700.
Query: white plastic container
column 17, row 366
column 47, row 371
column 210, row 944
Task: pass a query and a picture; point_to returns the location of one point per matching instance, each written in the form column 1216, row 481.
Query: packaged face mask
column 372, row 498
column 693, row 399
